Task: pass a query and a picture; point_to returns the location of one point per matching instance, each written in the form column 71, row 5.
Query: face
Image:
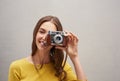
column 42, row 33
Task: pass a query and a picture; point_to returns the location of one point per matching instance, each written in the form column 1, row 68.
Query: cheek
column 38, row 37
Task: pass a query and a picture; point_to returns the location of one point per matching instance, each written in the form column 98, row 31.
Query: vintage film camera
column 57, row 38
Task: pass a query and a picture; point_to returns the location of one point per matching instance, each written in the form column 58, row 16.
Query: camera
column 57, row 38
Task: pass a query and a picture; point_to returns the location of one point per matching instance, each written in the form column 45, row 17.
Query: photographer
column 47, row 61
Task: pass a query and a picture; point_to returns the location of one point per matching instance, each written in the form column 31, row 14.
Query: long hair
column 57, row 55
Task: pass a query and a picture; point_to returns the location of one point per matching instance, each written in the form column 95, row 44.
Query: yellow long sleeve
column 22, row 70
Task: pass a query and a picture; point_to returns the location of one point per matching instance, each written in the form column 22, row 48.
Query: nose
column 44, row 37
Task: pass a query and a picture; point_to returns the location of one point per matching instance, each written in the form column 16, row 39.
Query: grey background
column 95, row 22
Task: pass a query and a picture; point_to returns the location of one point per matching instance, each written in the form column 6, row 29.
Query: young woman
column 48, row 62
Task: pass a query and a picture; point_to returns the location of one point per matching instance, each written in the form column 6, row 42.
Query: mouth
column 43, row 43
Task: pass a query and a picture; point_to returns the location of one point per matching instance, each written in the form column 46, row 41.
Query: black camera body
column 57, row 38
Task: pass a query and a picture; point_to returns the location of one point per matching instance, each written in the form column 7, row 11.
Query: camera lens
column 58, row 39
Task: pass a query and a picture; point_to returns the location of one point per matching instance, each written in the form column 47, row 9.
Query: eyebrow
column 42, row 29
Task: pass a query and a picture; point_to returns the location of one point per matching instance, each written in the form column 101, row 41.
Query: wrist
column 74, row 58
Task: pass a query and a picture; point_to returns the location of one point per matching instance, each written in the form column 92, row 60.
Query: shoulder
column 15, row 70
column 17, row 63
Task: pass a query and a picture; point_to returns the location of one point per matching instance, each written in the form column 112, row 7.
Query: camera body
column 57, row 38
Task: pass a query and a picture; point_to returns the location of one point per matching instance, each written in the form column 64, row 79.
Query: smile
column 43, row 43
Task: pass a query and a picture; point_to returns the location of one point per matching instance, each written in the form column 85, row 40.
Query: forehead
column 48, row 26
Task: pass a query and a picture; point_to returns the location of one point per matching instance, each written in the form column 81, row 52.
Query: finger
column 69, row 36
column 74, row 37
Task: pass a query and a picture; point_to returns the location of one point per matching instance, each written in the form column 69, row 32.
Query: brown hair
column 57, row 55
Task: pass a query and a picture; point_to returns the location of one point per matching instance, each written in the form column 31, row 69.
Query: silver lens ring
column 58, row 38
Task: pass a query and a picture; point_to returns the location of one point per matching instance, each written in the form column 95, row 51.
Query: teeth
column 43, row 43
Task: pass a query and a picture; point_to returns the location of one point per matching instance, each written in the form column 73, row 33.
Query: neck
column 41, row 57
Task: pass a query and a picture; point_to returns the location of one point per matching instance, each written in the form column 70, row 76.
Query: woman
column 47, row 62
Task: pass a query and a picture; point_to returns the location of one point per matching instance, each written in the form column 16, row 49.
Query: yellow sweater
column 22, row 70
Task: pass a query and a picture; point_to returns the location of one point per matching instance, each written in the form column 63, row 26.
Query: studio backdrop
column 95, row 22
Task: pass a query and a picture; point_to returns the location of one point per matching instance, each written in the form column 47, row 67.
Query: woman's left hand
column 72, row 45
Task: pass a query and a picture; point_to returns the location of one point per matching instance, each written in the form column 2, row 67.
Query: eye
column 41, row 31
